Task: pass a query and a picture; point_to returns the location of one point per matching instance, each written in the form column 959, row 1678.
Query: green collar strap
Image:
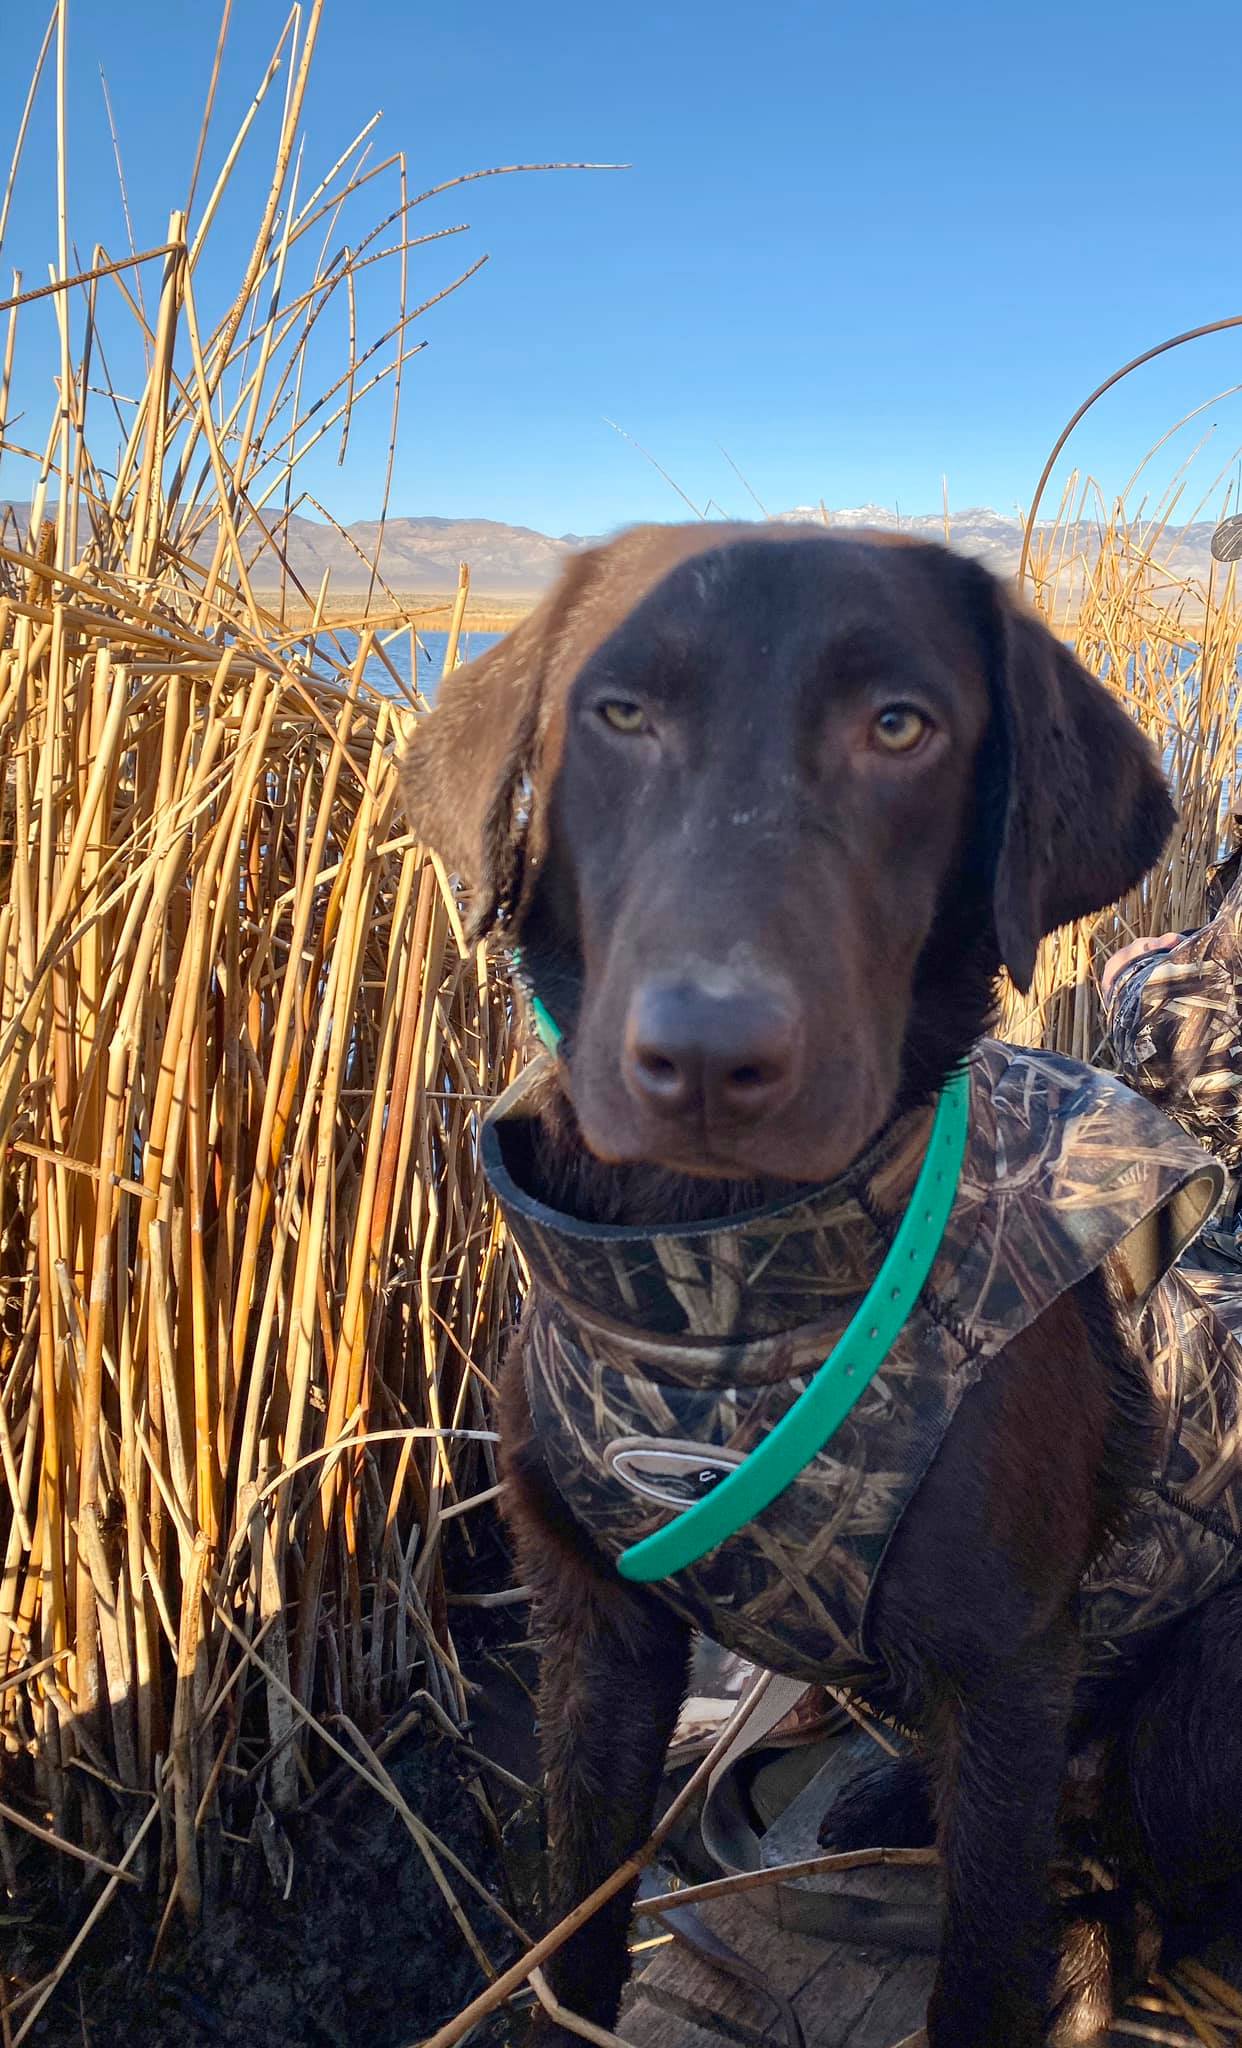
column 546, row 1027
column 846, row 1373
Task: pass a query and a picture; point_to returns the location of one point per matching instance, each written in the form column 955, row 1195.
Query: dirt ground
column 362, row 1954
column 363, row 1950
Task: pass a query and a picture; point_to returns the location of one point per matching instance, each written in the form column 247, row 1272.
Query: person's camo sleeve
column 1175, row 1021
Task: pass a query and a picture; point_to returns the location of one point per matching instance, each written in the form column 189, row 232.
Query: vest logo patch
column 674, row 1473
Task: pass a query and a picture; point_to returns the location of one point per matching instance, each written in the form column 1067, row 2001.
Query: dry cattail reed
column 1167, row 643
column 250, row 1287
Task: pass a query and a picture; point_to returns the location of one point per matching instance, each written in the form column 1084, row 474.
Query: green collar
column 847, row 1371
column 546, row 1027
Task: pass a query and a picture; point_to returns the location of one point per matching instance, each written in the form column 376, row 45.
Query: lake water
column 431, row 651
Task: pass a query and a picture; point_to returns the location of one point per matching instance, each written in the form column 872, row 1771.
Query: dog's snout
column 723, row 1057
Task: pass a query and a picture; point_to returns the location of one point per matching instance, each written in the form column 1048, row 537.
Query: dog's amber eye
column 899, row 728
column 623, row 716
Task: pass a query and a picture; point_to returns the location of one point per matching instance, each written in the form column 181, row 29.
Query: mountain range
column 420, row 556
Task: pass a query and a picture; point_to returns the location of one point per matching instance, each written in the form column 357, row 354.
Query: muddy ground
column 363, row 1951
column 362, row 1954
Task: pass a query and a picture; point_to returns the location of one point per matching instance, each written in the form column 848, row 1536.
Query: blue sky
column 858, row 247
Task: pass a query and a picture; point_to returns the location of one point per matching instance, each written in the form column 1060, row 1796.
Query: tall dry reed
column 1166, row 640
column 251, row 1288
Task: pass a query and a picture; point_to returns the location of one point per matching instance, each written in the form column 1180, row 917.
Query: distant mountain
column 996, row 540
column 516, row 561
column 989, row 536
column 420, row 556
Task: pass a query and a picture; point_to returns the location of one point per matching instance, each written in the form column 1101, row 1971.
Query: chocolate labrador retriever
column 767, row 809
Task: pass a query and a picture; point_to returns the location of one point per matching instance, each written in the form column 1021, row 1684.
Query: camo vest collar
column 1083, row 1161
column 745, row 1276
column 655, row 1357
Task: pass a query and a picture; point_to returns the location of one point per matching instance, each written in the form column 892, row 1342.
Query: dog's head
column 760, row 802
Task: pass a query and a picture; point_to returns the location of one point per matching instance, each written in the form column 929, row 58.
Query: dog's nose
column 729, row 1057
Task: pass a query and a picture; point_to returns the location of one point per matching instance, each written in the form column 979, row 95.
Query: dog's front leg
column 1001, row 1762
column 613, row 1666
column 613, row 1672
column 974, row 1619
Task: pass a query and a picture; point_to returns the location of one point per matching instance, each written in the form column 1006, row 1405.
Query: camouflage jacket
column 1175, row 1020
column 655, row 1358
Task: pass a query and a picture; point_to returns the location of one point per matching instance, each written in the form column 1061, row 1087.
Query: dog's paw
column 886, row 1806
column 1110, row 1945
column 1083, row 1997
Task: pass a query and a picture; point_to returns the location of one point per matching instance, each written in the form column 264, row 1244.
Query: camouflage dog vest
column 655, row 1358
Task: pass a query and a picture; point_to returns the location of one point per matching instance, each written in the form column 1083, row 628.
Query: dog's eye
column 899, row 728
column 623, row 716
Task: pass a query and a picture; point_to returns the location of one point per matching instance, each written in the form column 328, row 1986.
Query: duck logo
column 674, row 1473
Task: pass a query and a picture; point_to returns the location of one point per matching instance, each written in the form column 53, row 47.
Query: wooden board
column 843, row 1997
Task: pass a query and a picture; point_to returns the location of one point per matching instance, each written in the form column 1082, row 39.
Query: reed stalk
column 251, row 1294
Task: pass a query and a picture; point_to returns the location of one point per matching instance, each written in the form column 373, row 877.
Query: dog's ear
column 471, row 762
column 1085, row 808
column 463, row 766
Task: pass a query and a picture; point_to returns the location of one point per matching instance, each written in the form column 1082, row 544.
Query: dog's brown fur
column 753, row 840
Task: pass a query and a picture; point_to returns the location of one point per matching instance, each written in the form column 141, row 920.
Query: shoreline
column 425, row 612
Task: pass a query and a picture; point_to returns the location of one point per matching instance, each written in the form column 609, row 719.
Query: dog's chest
column 625, row 1449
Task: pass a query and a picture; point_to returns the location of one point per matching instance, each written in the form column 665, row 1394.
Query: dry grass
column 250, row 1286
column 1169, row 647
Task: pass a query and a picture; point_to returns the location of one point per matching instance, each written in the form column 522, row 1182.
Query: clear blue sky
column 860, row 246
